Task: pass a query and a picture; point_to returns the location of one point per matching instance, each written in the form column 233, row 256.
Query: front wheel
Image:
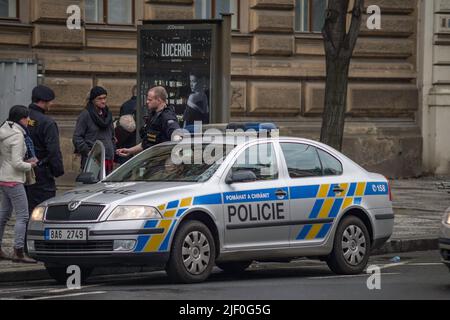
column 351, row 248
column 193, row 253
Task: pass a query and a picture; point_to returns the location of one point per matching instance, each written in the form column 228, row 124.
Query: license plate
column 66, row 234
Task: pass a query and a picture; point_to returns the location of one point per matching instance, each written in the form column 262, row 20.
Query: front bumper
column 100, row 249
column 154, row 259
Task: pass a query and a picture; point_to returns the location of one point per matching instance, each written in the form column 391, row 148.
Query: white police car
column 444, row 240
column 226, row 203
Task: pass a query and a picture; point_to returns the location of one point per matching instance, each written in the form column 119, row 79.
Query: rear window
column 331, row 166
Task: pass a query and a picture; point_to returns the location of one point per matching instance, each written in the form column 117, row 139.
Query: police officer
column 160, row 125
column 45, row 136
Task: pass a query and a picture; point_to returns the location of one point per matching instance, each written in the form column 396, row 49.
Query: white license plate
column 66, row 234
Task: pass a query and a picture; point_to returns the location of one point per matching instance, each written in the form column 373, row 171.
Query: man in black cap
column 45, row 135
column 95, row 123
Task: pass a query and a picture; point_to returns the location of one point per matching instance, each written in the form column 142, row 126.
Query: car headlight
column 134, row 213
column 446, row 219
column 38, row 214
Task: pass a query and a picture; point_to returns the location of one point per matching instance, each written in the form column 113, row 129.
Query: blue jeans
column 14, row 198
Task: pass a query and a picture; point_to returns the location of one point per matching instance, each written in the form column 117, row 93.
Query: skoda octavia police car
column 224, row 204
column 444, row 241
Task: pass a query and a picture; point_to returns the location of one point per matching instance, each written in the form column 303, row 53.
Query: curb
column 407, row 245
column 41, row 274
column 392, row 246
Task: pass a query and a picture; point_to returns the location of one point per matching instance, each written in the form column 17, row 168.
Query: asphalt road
column 418, row 275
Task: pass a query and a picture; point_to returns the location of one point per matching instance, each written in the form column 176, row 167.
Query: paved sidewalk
column 419, row 205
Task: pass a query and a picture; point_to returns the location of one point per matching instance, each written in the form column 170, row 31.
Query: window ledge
column 110, row 27
column 14, row 23
column 308, row 35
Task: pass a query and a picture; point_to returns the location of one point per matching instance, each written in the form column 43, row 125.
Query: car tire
column 61, row 276
column 234, row 267
column 193, row 253
column 351, row 247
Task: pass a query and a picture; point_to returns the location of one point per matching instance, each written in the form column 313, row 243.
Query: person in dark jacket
column 129, row 106
column 160, row 126
column 95, row 123
column 45, row 136
column 125, row 129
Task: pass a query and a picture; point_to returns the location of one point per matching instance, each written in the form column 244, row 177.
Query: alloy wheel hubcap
column 354, row 245
column 196, row 252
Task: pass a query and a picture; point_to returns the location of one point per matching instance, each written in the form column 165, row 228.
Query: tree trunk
column 335, row 102
column 339, row 47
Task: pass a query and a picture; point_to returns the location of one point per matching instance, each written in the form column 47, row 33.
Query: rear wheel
column 234, row 267
column 351, row 248
column 193, row 253
column 59, row 273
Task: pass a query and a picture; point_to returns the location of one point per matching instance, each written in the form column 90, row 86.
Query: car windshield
column 173, row 162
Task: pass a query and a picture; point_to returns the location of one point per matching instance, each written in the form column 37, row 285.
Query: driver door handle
column 281, row 193
column 338, row 189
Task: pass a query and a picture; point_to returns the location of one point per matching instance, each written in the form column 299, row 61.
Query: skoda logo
column 74, row 205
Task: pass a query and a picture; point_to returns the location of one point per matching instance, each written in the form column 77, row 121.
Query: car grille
column 82, row 213
column 101, row 245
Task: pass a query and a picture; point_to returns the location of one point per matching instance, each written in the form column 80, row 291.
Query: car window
column 302, row 160
column 260, row 159
column 331, row 165
column 183, row 163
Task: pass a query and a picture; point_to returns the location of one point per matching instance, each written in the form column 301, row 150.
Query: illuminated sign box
column 191, row 59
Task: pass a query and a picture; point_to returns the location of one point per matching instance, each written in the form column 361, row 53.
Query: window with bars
column 110, row 11
column 210, row 9
column 8, row 9
column 309, row 15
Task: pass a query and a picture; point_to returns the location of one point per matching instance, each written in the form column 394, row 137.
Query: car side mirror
column 86, row 178
column 241, row 176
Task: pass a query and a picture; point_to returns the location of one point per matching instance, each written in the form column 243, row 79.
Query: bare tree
column 339, row 45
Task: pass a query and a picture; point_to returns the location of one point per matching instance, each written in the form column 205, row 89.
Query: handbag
column 30, row 177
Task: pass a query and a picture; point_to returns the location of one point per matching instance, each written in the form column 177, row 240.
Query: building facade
column 434, row 84
column 277, row 69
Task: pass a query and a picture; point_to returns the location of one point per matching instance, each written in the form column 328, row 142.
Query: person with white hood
column 15, row 146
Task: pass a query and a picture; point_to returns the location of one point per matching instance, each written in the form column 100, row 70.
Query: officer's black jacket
column 159, row 127
column 128, row 107
column 45, row 135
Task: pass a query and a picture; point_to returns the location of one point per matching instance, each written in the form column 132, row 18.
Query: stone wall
column 277, row 74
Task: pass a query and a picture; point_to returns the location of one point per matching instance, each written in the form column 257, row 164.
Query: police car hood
column 106, row 193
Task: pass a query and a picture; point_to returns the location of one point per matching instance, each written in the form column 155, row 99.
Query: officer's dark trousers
column 36, row 194
column 39, row 193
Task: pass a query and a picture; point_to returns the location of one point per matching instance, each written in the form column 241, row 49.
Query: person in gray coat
column 95, row 123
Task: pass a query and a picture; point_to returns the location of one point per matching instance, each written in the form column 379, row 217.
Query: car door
column 316, row 191
column 94, row 169
column 256, row 213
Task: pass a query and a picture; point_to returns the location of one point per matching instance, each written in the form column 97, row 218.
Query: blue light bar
column 256, row 126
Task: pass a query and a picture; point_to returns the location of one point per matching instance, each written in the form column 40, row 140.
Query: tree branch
column 355, row 26
column 330, row 48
